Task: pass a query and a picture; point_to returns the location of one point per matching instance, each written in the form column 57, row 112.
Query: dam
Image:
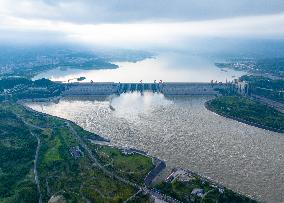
column 166, row 88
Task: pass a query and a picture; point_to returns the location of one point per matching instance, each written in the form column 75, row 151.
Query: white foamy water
column 185, row 134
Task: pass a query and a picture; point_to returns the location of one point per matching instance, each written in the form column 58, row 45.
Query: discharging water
column 183, row 133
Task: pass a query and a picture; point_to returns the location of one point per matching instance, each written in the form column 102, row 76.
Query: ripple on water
column 182, row 132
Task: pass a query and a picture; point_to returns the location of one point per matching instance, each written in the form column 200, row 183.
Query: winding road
column 95, row 163
column 36, row 155
column 35, row 167
column 112, row 175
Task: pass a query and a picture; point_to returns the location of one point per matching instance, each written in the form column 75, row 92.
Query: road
column 95, row 163
column 35, row 167
column 112, row 175
column 277, row 105
column 36, row 155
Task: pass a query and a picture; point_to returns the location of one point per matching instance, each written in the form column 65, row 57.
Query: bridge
column 166, row 88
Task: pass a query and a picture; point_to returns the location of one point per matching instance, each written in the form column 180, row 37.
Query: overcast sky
column 139, row 23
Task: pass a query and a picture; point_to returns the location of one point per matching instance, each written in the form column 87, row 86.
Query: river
column 185, row 134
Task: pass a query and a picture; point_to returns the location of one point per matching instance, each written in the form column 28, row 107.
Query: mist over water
column 185, row 134
column 132, row 106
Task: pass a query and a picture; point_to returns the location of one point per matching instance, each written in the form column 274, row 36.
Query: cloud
column 121, row 11
column 145, row 34
column 137, row 23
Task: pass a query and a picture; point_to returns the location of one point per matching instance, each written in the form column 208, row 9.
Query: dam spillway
column 166, row 88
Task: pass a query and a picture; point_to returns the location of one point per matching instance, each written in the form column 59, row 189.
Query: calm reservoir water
column 169, row 67
column 183, row 133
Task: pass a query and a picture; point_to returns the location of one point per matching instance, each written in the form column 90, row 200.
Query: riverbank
column 132, row 164
column 187, row 186
column 247, row 111
column 157, row 167
column 92, row 136
column 235, row 144
column 63, row 152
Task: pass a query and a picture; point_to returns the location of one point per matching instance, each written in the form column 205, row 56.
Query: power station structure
column 166, row 88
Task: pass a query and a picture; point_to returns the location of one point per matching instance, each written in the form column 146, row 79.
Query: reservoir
column 181, row 131
column 168, row 67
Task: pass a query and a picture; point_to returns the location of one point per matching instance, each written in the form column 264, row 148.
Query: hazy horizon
column 144, row 25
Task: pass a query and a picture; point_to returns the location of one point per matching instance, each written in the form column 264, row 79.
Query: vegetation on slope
column 15, row 88
column 131, row 166
column 184, row 191
column 265, row 87
column 17, row 153
column 64, row 167
column 248, row 111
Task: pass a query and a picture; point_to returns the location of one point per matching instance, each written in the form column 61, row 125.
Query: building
column 242, row 87
column 197, row 192
column 76, row 152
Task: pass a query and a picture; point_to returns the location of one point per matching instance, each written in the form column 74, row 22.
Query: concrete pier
column 168, row 89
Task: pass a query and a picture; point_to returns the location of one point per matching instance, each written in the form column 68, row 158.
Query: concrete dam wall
column 168, row 89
